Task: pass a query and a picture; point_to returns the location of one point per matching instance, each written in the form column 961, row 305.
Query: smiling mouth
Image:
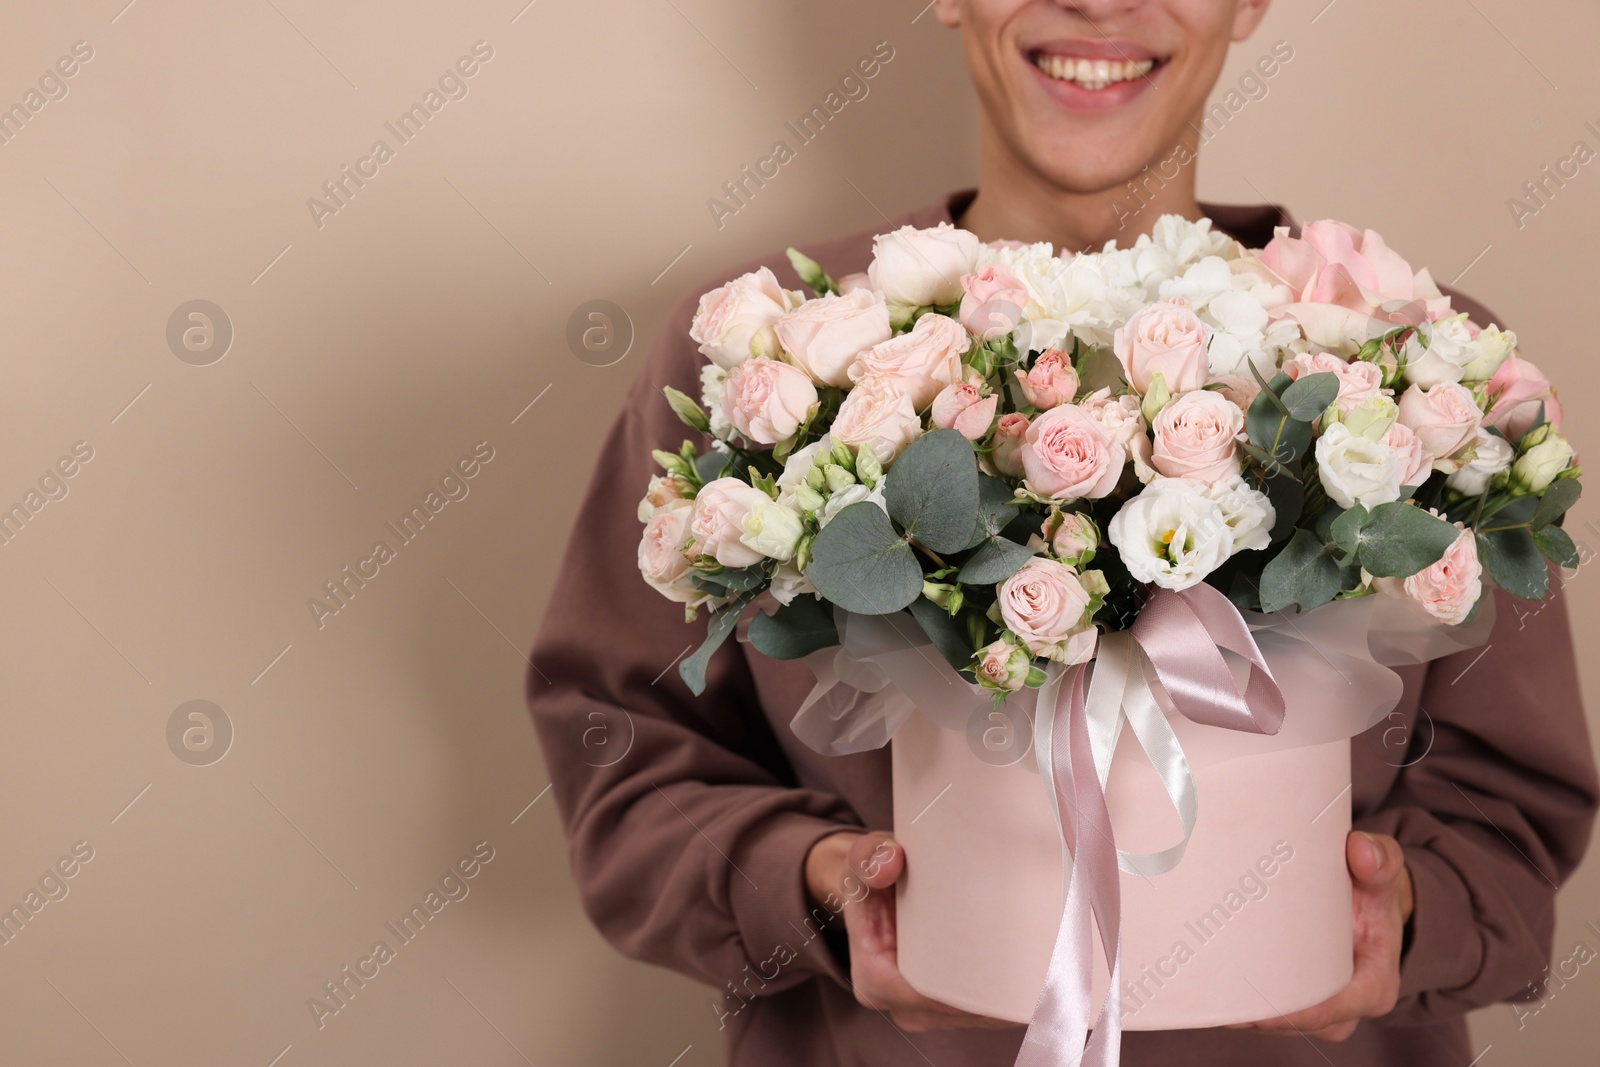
column 1093, row 75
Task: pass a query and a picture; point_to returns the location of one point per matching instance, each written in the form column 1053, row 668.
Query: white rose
column 879, row 413
column 916, row 268
column 1248, row 512
column 1171, row 534
column 823, row 337
column 733, row 316
column 771, row 529
column 1491, row 454
column 1445, row 357
column 1355, row 470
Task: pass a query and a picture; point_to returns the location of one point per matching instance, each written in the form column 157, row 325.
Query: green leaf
column 1345, row 530
column 712, row 465
column 996, row 559
column 1556, row 546
column 718, row 627
column 1311, row 394
column 796, row 629
column 997, row 508
column 948, row 635
column 1398, row 539
column 1303, row 574
column 1556, row 500
column 811, row 272
column 1514, row 562
column 859, row 563
column 1272, row 426
column 932, row 491
column 1288, row 496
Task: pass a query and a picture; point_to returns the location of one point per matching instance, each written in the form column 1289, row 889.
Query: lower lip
column 1075, row 97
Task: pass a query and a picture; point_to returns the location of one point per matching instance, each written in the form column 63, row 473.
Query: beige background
column 370, row 353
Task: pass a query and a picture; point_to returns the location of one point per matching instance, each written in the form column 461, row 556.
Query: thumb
column 877, row 859
column 1375, row 859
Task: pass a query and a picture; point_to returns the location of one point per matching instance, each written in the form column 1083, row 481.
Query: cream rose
column 661, row 558
column 733, row 316
column 1166, row 339
column 1171, row 534
column 877, row 412
column 1122, row 419
column 1358, row 380
column 1413, row 464
column 1066, row 455
column 1009, row 434
column 1445, row 355
column 1003, row 665
column 717, row 523
column 918, row 268
column 1354, row 470
column 1045, row 604
column 1449, row 589
column 923, row 361
column 1445, row 418
column 1197, row 437
column 767, row 400
column 823, row 337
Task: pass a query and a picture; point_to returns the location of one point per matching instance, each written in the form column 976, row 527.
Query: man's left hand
column 1382, row 906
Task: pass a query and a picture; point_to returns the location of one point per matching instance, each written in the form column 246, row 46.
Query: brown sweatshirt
column 689, row 817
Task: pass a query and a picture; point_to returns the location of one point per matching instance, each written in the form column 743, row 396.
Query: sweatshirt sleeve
column 1493, row 815
column 686, row 831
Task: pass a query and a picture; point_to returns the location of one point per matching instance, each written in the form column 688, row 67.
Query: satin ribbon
column 1181, row 635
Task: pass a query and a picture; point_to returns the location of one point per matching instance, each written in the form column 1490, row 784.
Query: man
column 705, row 837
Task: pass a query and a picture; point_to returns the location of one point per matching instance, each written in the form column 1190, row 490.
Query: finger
column 1375, row 860
column 877, row 859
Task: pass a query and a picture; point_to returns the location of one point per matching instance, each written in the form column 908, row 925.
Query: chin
column 1089, row 164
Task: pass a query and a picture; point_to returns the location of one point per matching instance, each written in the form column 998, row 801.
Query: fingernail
column 1374, row 853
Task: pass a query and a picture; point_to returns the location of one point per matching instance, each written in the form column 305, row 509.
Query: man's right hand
column 860, row 870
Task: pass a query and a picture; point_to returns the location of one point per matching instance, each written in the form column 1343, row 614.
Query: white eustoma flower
column 1247, row 511
column 1172, row 534
column 1491, row 454
column 1355, row 470
column 1443, row 356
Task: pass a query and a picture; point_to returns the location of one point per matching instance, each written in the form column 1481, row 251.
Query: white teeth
column 1093, row 74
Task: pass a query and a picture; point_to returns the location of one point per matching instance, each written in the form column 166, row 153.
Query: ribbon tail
column 1061, row 1020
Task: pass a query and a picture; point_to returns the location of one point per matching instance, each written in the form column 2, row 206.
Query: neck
column 1016, row 202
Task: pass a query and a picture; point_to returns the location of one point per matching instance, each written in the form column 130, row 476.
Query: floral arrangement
column 1011, row 446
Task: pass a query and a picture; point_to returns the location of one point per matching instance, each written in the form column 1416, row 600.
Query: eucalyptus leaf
column 932, row 491
column 1288, row 496
column 1303, row 574
column 1311, row 394
column 996, row 508
column 1398, row 539
column 1282, row 437
column 996, row 559
column 712, row 465
column 1556, row 546
column 860, row 563
column 718, row 627
column 1561, row 495
column 796, row 629
column 1345, row 529
column 948, row 635
column 1514, row 562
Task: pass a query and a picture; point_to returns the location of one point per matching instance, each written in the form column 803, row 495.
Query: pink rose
column 1066, row 455
column 992, row 302
column 732, row 317
column 1412, row 460
column 851, row 282
column 823, row 337
column 1358, row 380
column 1050, row 381
column 1122, row 419
column 1166, row 339
column 1516, row 390
column 1196, row 437
column 661, row 557
column 922, row 361
column 1003, row 665
column 877, row 412
column 1239, row 390
column 1448, row 589
column 1009, row 433
column 962, row 408
column 1445, row 419
column 1044, row 603
column 767, row 400
column 716, row 524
